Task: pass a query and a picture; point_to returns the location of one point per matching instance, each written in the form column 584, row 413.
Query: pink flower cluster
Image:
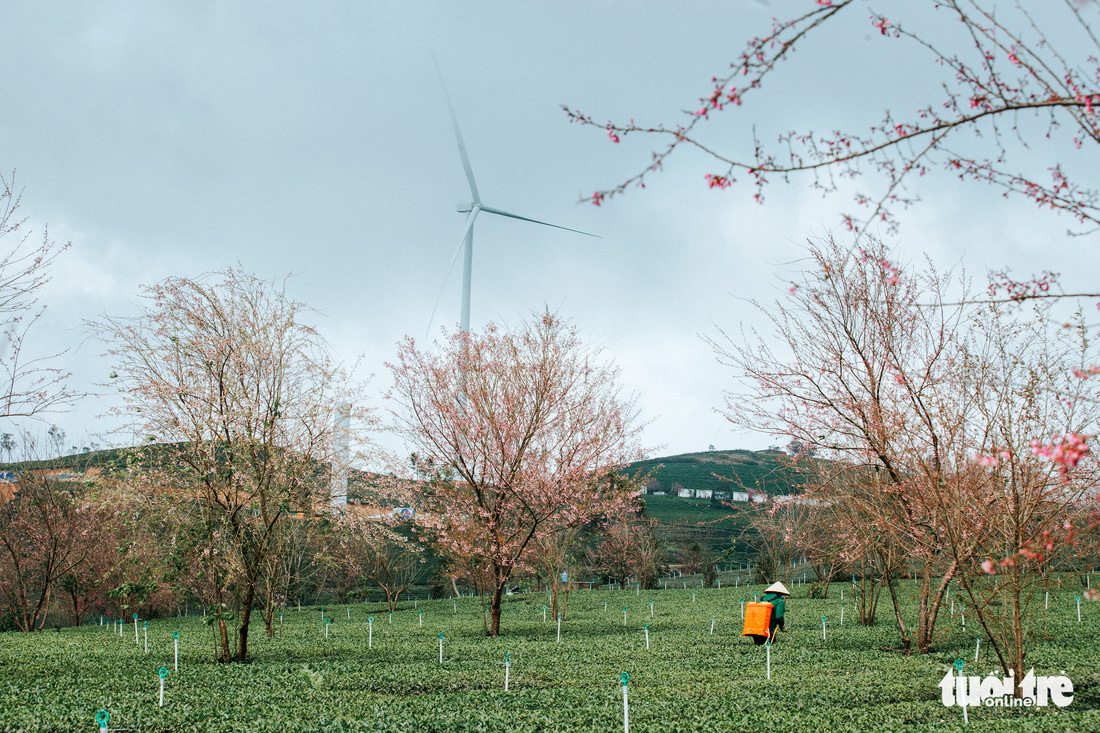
column 1066, row 452
column 1087, row 372
column 993, row 460
column 892, row 271
column 716, row 181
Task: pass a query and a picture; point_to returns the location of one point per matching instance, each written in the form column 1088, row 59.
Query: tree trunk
column 246, row 616
column 223, row 637
column 494, row 620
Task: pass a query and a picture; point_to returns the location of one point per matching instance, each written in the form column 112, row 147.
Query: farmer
column 775, row 594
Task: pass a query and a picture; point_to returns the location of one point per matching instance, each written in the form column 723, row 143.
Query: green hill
column 720, row 470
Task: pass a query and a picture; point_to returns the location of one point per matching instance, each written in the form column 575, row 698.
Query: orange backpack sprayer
column 758, row 617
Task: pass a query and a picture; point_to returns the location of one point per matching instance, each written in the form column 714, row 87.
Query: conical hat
column 777, row 587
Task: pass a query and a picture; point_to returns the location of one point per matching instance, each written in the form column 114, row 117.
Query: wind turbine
column 472, row 209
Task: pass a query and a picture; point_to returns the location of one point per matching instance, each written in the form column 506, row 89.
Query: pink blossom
column 989, row 567
column 611, row 134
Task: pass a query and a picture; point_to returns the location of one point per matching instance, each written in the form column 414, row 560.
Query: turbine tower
column 472, row 209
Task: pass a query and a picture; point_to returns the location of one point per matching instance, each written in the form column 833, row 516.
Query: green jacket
column 778, row 604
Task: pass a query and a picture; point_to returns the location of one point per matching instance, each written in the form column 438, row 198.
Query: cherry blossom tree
column 915, row 401
column 1018, row 100
column 29, row 386
column 532, row 423
column 237, row 399
column 47, row 530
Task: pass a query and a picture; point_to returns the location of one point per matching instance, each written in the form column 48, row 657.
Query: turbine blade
column 458, row 136
column 498, row 212
column 461, row 241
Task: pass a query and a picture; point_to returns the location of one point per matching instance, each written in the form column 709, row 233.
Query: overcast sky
column 313, row 139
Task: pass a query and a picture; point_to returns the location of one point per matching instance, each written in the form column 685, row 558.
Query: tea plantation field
column 688, row 680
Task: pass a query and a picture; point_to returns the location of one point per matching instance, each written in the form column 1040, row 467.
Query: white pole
column 161, row 704
column 370, row 632
column 651, row 609
column 626, row 708
column 624, row 615
column 712, row 625
column 420, row 616
column 647, row 636
column 176, row 663
column 1078, row 609
column 441, row 647
column 841, row 615
column 977, row 646
column 507, row 669
column 742, row 609
column 135, row 629
column 349, row 613
column 145, row 628
column 769, row 645
column 823, row 628
column 544, row 614
column 559, row 627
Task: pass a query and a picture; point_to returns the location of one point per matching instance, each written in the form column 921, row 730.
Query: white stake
column 742, row 609
column 647, row 636
column 637, row 589
column 176, row 641
column 712, row 625
column 559, row 627
column 145, row 628
column 624, row 615
column 626, row 709
column 370, row 632
column 841, row 615
column 349, row 613
column 977, row 646
column 693, row 596
column 121, row 623
column 421, row 618
column 507, row 668
column 163, row 673
column 327, row 622
column 455, row 604
column 769, row 645
column 719, row 585
column 102, row 716
column 651, row 609
column 823, row 628
column 441, row 647
column 1078, row 609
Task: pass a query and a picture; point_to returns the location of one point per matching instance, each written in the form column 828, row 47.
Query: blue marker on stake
column 370, row 632
column 625, row 680
column 163, row 672
column 959, row 664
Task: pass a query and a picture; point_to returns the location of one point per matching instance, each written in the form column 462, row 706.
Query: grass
column 689, row 679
